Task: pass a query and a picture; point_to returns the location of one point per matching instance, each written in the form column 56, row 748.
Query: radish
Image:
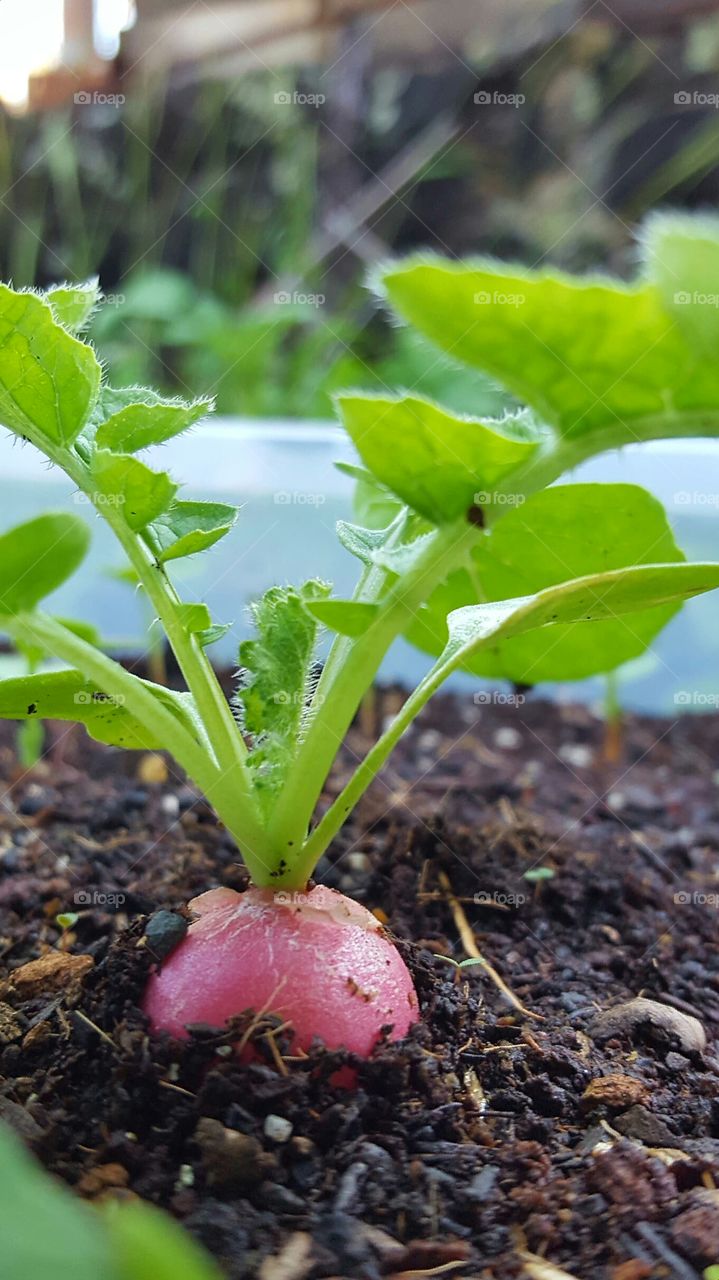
column 318, row 960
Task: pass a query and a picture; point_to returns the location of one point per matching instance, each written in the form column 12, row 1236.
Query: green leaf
column 374, row 505
column 348, row 617
column 195, row 617
column 401, row 559
column 73, row 304
column 276, row 681
column 69, row 695
column 124, row 482
column 605, row 362
column 37, row 556
column 214, row 633
column 135, row 418
column 434, row 461
column 189, row 527
column 48, row 380
column 149, row 1245
column 557, row 535
column 590, row 599
column 35, row 654
column 197, row 620
column 360, row 542
column 681, row 251
column 46, row 1231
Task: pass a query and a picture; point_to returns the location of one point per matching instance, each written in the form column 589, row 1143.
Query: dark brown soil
column 488, row 1135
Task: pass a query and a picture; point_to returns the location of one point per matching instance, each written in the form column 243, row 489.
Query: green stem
column 335, row 705
column 336, row 815
column 51, row 636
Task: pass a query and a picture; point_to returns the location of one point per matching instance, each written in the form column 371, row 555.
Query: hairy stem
column 350, row 680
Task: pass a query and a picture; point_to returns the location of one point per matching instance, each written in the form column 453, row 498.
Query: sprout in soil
column 464, row 546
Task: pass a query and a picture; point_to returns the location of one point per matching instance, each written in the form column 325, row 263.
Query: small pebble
column 165, row 931
column 277, row 1128
column 507, row 739
column 152, row 768
column 576, row 754
column 626, row 1018
column 170, row 805
column 358, row 862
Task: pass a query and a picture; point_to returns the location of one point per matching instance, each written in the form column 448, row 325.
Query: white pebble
column 576, row 754
column 170, row 806
column 277, row 1128
column 357, row 861
column 508, row 739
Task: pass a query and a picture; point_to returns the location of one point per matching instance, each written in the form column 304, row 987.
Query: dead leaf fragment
column 615, row 1091
column 56, row 971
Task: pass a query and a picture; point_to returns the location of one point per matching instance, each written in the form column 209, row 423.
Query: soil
column 491, row 1138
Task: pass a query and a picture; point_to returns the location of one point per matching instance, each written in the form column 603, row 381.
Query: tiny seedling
column 461, row 965
column 466, row 547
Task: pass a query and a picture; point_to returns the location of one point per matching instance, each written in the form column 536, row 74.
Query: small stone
column 277, row 1128
column 231, row 1159
column 615, row 1091
column 170, row 805
column 358, row 862
column 165, row 930
column 186, row 1176
column 628, row 1017
column 640, row 1124
column 696, row 1230
column 507, row 738
column 576, row 754
column 152, row 769
column 19, row 1119
column 56, row 971
column 135, row 799
column 677, row 1062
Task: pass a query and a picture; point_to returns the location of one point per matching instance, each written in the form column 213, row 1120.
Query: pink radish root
column 317, row 959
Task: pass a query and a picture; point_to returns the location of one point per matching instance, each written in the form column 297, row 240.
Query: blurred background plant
column 232, row 209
